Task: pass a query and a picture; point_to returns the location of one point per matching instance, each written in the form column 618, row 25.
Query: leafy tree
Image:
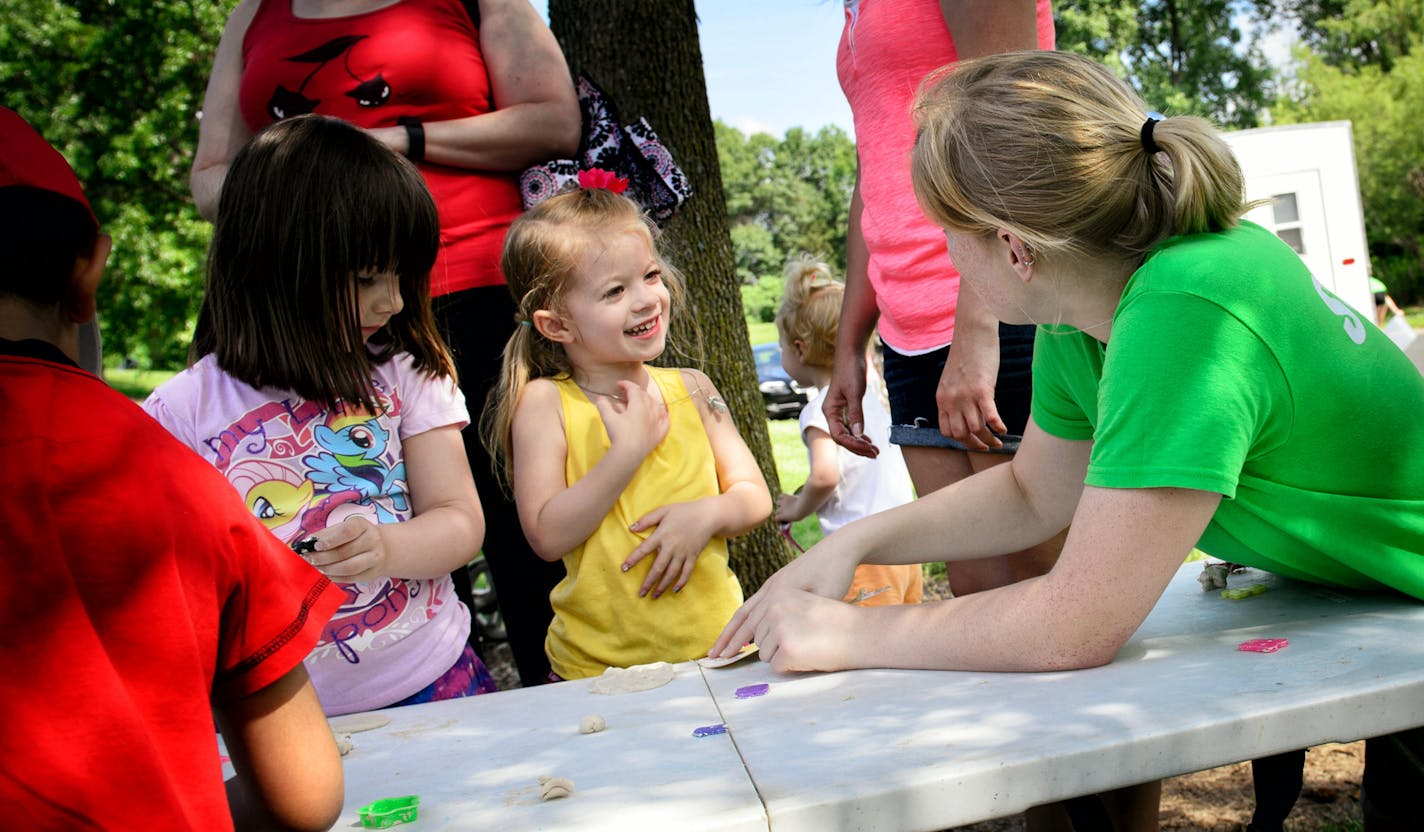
column 1348, row 33
column 1097, row 28
column 786, row 196
column 762, row 298
column 117, row 88
column 1182, row 57
column 646, row 57
column 755, row 251
column 1383, row 106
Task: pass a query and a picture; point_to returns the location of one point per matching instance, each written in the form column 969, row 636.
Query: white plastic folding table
column 887, row 749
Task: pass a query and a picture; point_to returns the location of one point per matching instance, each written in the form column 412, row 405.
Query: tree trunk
column 645, row 55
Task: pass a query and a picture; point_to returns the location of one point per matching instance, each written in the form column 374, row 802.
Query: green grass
column 792, row 468
column 761, row 333
column 136, row 384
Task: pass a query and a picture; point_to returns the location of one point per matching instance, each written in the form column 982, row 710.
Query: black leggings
column 476, row 324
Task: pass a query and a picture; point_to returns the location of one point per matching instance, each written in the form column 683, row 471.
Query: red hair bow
column 600, row 178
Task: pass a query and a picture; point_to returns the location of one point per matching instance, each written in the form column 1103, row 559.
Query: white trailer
column 1308, row 173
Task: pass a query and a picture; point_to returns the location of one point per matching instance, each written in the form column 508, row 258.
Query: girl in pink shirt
column 323, row 393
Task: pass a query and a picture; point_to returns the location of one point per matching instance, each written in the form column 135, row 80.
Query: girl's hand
column 636, row 422
column 786, row 508
column 351, row 551
column 680, row 536
column 824, row 570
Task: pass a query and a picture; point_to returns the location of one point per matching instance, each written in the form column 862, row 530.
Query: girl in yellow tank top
column 633, row 475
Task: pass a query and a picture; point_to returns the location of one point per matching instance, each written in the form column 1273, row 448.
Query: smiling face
column 615, row 311
column 378, row 299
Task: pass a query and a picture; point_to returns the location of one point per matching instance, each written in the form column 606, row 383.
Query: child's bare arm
column 683, row 529
column 557, row 516
column 444, row 532
column 745, row 500
column 288, row 769
column 820, row 482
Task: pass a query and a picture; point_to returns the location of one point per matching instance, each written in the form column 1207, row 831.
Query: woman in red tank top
column 471, row 102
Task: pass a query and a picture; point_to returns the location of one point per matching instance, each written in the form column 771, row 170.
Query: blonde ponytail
column 810, row 309
column 1052, row 145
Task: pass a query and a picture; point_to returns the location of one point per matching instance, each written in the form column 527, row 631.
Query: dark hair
column 42, row 234
column 309, row 204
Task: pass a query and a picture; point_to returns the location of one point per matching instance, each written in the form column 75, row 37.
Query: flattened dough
column 747, row 652
column 356, row 723
column 616, row 680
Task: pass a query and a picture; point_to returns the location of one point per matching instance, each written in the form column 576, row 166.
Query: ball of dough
column 553, row 788
column 592, row 724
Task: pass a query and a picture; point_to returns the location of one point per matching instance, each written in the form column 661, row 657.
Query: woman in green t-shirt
column 1184, row 356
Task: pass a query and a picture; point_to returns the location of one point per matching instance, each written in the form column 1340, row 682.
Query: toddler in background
column 842, row 486
column 322, row 392
column 634, row 475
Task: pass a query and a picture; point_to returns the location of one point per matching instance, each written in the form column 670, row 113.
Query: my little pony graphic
column 353, row 459
column 274, row 493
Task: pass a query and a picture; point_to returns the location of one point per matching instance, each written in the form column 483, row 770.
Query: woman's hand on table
column 797, row 618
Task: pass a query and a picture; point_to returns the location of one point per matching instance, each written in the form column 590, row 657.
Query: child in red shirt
column 141, row 598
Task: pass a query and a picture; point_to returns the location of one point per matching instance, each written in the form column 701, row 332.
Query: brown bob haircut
column 308, row 205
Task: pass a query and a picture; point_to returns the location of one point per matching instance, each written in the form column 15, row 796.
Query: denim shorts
column 911, row 381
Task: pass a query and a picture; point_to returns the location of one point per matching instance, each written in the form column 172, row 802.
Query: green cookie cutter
column 390, row 811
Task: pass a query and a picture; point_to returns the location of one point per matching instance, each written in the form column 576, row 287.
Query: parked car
column 782, row 396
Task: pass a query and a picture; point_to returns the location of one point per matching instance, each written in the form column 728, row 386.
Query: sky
column 770, row 64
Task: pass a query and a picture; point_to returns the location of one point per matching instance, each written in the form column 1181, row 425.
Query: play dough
column 616, row 680
column 592, row 724
column 553, row 788
column 749, row 650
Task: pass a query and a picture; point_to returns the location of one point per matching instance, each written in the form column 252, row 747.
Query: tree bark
column 646, row 57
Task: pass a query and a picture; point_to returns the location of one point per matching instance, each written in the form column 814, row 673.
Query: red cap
column 27, row 159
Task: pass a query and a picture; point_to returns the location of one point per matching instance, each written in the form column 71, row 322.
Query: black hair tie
column 415, row 138
column 1147, row 143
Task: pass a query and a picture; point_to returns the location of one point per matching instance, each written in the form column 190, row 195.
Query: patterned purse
column 633, row 151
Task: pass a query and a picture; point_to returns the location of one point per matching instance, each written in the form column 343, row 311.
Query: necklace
column 717, row 404
column 590, row 391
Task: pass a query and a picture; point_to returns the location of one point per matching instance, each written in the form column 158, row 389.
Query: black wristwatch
column 414, row 137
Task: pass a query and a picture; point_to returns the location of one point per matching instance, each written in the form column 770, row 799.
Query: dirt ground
column 1217, row 800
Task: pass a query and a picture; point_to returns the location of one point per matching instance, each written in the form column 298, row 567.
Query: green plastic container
column 390, row 811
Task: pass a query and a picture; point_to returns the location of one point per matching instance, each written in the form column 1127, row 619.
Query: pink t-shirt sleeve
column 426, row 403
